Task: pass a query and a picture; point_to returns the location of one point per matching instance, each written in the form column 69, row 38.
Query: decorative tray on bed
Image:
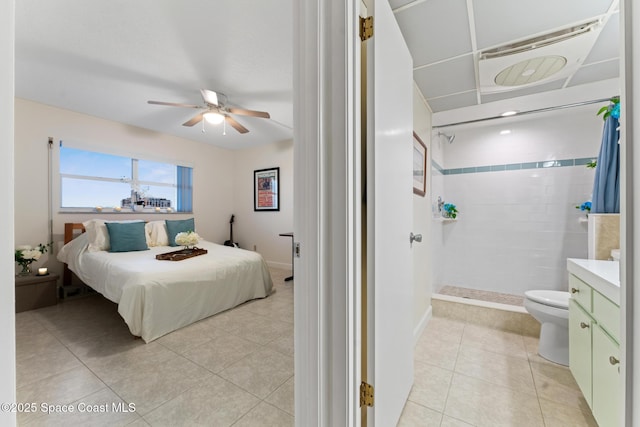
column 181, row 254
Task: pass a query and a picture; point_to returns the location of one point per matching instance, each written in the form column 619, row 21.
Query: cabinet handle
column 574, row 290
column 583, row 325
column 613, row 360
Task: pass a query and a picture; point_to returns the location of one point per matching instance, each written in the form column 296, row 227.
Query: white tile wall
column 562, row 134
column 516, row 228
column 437, row 189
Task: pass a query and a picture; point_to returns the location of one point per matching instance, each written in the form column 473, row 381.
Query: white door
column 390, row 209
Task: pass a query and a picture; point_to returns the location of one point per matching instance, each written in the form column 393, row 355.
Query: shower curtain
column 606, row 188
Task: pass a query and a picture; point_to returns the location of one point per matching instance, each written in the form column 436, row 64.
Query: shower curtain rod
column 522, row 113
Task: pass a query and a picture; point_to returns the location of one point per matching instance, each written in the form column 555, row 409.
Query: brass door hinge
column 366, row 394
column 366, row 28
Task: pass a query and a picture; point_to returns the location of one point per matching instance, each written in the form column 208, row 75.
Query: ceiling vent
column 537, row 60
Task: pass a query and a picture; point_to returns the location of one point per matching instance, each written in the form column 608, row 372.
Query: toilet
column 551, row 309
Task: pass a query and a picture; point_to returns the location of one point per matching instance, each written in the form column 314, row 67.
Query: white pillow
column 69, row 252
column 156, row 232
column 98, row 235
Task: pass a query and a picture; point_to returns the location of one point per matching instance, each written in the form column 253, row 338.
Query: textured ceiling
column 107, row 58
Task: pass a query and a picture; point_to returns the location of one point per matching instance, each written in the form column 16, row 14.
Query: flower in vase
column 187, row 238
column 26, row 254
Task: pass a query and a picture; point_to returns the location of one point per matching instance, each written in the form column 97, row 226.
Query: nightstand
column 36, row 291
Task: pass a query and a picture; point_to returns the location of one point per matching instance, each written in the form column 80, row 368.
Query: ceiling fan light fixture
column 215, row 111
column 209, row 96
column 213, row 117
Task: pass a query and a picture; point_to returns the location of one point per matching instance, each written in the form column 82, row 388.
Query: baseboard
column 419, row 328
column 280, row 265
column 479, row 303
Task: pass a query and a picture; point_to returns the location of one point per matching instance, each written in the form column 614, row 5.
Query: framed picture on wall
column 266, row 190
column 419, row 166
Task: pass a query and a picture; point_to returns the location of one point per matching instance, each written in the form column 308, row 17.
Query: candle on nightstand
column 117, row 209
column 42, row 271
column 157, row 209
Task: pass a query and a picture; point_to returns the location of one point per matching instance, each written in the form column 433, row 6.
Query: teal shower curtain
column 606, row 188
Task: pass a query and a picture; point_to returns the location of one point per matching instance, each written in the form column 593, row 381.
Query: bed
column 156, row 297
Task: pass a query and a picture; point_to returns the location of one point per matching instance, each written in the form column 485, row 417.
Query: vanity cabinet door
column 607, row 313
column 581, row 292
column 580, row 325
column 606, row 379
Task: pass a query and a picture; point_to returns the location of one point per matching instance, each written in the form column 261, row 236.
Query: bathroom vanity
column 594, row 335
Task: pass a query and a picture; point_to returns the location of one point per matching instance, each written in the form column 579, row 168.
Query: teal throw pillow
column 178, row 226
column 127, row 236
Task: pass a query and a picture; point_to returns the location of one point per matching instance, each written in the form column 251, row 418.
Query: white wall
column 422, row 220
column 7, row 295
column 516, row 228
column 262, row 229
column 560, row 134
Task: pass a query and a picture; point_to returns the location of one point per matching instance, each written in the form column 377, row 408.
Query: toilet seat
column 557, row 299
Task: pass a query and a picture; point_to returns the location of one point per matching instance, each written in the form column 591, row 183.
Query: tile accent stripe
column 514, row 166
column 435, row 167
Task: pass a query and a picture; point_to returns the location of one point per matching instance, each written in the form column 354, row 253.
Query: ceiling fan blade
column 195, row 119
column 237, row 126
column 209, row 96
column 174, row 104
column 251, row 113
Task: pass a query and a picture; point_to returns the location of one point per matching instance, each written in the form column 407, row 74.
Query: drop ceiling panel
column 608, row 44
column 439, row 36
column 526, row 91
column 596, row 72
column 452, row 102
column 501, row 21
column 435, row 30
column 398, row 3
column 452, row 76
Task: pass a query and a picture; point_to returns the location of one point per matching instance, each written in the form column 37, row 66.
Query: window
column 89, row 179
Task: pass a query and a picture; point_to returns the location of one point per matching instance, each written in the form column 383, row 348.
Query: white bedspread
column 156, row 297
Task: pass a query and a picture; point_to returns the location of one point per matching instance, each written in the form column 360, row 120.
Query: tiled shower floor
column 481, row 295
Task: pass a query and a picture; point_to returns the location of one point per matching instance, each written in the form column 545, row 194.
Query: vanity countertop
column 603, row 276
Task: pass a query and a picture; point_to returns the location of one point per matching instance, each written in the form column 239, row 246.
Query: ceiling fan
column 215, row 110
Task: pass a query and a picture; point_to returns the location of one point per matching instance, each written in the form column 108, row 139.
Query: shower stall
column 518, row 184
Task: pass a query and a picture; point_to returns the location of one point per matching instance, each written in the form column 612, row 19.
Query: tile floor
column 236, row 369
column 469, row 375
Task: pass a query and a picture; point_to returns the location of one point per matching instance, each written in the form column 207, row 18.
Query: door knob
column 613, row 360
column 583, row 325
column 415, row 237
